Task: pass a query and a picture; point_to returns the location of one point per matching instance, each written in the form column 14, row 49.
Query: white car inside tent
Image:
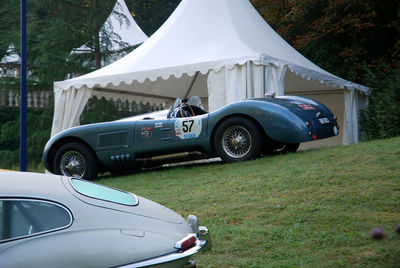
column 220, row 50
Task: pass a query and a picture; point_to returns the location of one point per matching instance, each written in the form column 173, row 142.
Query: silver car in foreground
column 55, row 221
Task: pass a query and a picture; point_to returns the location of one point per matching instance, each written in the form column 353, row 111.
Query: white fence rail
column 43, row 99
column 35, row 99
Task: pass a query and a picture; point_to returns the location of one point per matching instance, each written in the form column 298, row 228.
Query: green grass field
column 308, row 209
column 313, row 208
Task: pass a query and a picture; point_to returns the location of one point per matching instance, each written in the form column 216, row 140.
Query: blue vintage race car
column 235, row 132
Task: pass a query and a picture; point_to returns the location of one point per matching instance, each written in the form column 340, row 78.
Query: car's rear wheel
column 76, row 160
column 237, row 139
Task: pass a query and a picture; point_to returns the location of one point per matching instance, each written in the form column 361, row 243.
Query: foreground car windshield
column 104, row 193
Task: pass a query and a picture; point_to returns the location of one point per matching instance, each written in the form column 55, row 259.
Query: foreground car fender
column 87, row 249
column 55, row 221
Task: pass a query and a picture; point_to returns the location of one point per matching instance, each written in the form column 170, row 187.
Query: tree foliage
column 151, row 14
column 8, row 13
column 382, row 118
column 39, row 125
column 341, row 36
column 54, row 29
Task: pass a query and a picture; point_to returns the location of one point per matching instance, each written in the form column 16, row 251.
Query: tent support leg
column 191, row 84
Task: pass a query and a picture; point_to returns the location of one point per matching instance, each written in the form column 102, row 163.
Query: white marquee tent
column 220, row 50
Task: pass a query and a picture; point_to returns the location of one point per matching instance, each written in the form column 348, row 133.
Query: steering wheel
column 183, row 104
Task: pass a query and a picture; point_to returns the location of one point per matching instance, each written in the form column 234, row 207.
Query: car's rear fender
column 83, row 248
column 276, row 122
column 281, row 125
column 221, row 120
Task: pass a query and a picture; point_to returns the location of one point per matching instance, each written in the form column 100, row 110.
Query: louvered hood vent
column 113, row 138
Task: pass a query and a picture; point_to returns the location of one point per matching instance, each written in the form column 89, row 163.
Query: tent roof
column 121, row 24
column 200, row 36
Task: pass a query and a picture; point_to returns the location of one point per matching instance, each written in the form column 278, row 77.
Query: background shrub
column 381, row 119
column 39, row 129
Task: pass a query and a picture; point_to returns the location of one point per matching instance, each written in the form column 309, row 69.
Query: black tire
column 292, row 148
column 76, row 160
column 237, row 139
column 282, row 148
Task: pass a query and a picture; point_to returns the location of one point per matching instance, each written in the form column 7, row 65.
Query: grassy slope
column 309, row 209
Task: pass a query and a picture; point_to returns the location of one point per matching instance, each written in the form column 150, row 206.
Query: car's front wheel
column 75, row 160
column 237, row 139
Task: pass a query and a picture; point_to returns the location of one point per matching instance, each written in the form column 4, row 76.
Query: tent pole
column 191, row 84
column 263, row 80
column 23, row 104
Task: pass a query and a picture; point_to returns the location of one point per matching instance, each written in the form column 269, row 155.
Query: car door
column 169, row 135
column 152, row 136
column 188, row 132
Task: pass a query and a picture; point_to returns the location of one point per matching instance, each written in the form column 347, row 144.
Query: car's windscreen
column 25, row 217
column 101, row 192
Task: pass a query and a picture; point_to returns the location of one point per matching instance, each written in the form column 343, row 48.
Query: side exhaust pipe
column 169, row 156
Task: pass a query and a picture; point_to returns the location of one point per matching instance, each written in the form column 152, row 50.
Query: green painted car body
column 270, row 124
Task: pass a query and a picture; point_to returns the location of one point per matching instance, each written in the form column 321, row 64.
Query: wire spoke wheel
column 74, row 159
column 237, row 141
column 73, row 164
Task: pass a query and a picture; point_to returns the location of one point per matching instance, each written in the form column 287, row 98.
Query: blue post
column 23, row 103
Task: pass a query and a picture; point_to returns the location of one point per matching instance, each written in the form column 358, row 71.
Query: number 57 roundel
column 188, row 128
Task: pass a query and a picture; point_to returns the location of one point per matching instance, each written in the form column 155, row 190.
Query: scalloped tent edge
column 223, row 51
column 153, row 75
